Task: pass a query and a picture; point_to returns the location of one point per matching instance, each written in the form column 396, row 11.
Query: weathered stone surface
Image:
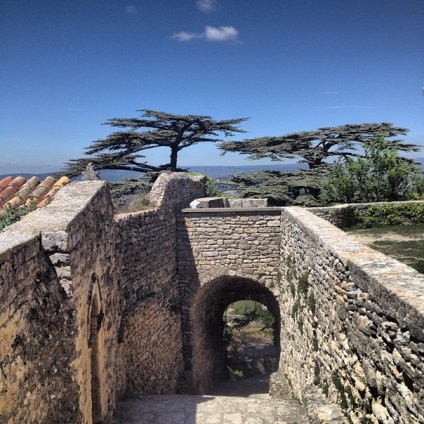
column 94, row 307
column 375, row 297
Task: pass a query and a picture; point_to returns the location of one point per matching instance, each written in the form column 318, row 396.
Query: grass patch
column 402, row 242
column 139, row 203
column 405, row 230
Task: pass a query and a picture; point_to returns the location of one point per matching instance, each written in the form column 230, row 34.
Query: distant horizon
column 55, row 170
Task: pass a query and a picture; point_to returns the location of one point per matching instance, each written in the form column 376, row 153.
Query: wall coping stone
column 233, row 211
column 54, row 218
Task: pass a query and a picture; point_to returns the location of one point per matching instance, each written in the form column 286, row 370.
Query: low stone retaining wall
column 347, row 215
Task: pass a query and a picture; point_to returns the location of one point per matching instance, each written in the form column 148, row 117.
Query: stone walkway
column 242, row 404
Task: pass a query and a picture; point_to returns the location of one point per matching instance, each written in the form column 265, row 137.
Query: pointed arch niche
column 95, row 343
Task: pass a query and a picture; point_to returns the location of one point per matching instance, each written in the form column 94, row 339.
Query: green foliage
column 242, row 307
column 133, row 186
column 390, row 214
column 10, row 214
column 315, row 149
column 139, row 203
column 211, row 190
column 315, row 344
column 300, row 188
column 227, row 333
column 340, row 388
column 265, row 317
column 120, row 150
column 381, row 175
column 238, row 374
column 303, row 285
column 253, row 311
column 312, row 303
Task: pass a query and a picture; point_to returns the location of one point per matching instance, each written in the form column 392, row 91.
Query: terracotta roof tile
column 18, row 191
column 50, row 195
column 5, row 182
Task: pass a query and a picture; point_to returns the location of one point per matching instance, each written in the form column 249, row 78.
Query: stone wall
column 353, row 322
column 50, row 262
column 235, row 253
column 36, row 346
column 93, row 306
column 216, row 242
column 89, row 308
column 151, row 328
column 352, row 319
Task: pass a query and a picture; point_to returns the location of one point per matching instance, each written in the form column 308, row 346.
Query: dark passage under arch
column 208, row 306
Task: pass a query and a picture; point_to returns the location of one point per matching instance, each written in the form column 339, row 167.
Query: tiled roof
column 18, row 191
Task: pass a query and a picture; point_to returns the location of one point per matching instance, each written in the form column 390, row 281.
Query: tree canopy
column 380, row 175
column 315, row 147
column 316, row 150
column 120, row 150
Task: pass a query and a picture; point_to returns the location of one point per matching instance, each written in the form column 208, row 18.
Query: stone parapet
column 354, row 322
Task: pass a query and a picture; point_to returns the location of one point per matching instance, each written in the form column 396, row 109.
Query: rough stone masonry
column 94, row 306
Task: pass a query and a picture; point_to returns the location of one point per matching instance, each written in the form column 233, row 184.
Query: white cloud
column 130, row 9
column 207, row 6
column 224, row 33
column 186, row 36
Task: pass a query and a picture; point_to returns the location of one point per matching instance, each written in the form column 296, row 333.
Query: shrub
column 381, row 175
column 392, row 214
column 11, row 214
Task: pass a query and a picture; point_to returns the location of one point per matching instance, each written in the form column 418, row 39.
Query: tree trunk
column 173, row 158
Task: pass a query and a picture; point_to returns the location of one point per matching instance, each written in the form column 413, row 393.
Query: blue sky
column 289, row 65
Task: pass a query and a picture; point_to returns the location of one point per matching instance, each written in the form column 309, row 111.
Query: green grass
column 410, row 251
column 242, row 307
column 138, row 203
column 407, row 230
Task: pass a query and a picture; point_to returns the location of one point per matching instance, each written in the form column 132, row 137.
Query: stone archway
column 208, row 306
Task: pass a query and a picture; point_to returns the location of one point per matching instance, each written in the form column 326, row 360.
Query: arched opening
column 248, row 335
column 95, row 323
column 209, row 348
